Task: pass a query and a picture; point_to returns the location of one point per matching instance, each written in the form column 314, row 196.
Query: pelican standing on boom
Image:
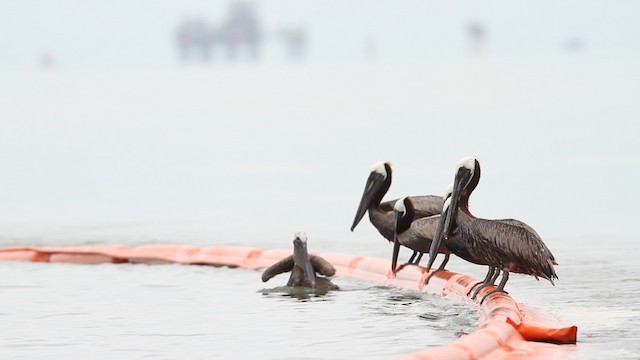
column 507, row 245
column 415, row 234
column 381, row 214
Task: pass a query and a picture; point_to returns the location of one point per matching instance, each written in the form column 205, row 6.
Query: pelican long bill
column 371, row 188
column 301, row 258
column 396, row 246
column 439, row 237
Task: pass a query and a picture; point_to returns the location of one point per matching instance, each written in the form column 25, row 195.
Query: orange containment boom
column 507, row 330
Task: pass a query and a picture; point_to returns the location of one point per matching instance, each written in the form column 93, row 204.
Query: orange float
column 506, row 330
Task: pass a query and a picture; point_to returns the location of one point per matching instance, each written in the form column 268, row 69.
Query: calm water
column 174, row 311
column 177, row 311
column 598, row 291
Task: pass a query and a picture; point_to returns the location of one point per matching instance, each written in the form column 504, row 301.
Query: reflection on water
column 297, row 292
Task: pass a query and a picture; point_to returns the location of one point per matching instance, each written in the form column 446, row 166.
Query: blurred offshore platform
column 239, row 34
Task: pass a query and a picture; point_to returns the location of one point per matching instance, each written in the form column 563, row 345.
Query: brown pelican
column 492, row 274
column 507, row 245
column 414, row 234
column 460, row 251
column 303, row 267
column 381, row 214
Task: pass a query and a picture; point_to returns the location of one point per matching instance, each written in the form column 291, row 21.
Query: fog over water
column 106, row 136
column 102, row 123
column 249, row 150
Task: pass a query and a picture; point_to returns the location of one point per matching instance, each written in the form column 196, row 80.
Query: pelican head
column 400, row 208
column 404, row 211
column 301, row 256
column 466, row 179
column 465, row 169
column 447, row 192
column 376, row 187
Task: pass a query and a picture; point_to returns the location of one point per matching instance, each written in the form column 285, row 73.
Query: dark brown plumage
column 381, row 213
column 297, row 264
column 508, row 245
column 415, row 234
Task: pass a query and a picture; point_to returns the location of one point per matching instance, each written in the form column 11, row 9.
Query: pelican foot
column 426, row 281
column 474, row 286
column 401, row 267
column 491, row 292
column 475, row 293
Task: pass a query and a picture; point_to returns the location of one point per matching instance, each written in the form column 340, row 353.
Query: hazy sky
column 255, row 149
column 126, row 33
column 118, row 133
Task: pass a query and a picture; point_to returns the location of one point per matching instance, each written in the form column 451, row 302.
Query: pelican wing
column 282, row 266
column 517, row 247
column 322, row 266
column 420, row 235
column 519, row 223
column 425, row 205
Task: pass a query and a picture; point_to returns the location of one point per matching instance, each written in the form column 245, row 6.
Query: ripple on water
column 204, row 310
column 173, row 311
column 297, row 292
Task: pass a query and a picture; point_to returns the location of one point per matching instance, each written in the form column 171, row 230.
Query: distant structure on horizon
column 574, row 45
column 370, row 47
column 239, row 29
column 477, row 37
column 47, row 59
column 295, row 40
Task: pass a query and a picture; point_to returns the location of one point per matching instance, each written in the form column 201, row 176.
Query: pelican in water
column 415, row 234
column 381, row 215
column 303, row 267
column 507, row 245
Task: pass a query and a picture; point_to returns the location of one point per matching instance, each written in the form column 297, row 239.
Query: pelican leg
column 440, row 268
column 410, row 262
column 417, row 262
column 444, row 262
column 495, row 276
column 500, row 288
column 400, row 267
column 486, row 280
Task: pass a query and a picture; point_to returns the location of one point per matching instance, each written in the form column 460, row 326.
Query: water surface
column 179, row 311
column 176, row 311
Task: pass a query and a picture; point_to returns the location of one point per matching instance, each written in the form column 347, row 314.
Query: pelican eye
column 467, row 163
column 448, row 191
column 301, row 235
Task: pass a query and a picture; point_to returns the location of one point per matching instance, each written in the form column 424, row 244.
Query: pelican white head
column 467, row 163
column 448, row 191
column 380, row 168
column 301, row 235
column 399, row 206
